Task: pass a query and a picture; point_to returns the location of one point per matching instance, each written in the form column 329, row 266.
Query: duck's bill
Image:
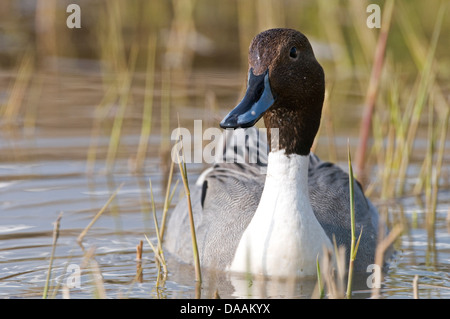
column 257, row 100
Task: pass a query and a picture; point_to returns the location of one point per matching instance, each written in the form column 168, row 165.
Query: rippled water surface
column 62, row 98
column 51, row 177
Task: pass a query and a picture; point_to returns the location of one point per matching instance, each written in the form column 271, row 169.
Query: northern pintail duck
column 276, row 223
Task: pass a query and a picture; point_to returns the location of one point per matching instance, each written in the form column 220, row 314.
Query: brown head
column 286, row 86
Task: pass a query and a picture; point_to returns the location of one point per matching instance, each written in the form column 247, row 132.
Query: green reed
column 354, row 244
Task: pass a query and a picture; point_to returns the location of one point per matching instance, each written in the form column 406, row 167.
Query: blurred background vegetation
column 109, row 94
column 134, row 65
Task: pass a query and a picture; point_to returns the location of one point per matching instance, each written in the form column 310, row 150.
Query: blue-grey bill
column 257, row 100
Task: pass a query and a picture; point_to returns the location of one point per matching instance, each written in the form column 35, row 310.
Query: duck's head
column 286, row 85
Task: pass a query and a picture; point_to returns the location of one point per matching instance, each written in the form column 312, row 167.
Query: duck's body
column 275, row 224
column 231, row 193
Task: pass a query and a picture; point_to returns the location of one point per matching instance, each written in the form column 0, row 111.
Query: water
column 46, row 142
column 50, row 176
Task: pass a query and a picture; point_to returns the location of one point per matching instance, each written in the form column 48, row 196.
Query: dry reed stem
column 139, row 269
column 96, row 217
column 160, row 261
column 52, row 255
column 416, row 287
column 11, row 110
column 159, row 251
column 168, row 200
column 139, row 250
column 90, row 261
column 381, row 250
column 333, row 272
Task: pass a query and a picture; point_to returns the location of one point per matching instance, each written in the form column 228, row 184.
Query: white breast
column 284, row 237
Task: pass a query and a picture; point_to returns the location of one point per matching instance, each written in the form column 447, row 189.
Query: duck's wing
column 224, row 200
column 330, row 199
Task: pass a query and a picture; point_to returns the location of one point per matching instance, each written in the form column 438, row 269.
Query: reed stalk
column 11, row 109
column 100, row 113
column 168, row 200
column 382, row 247
column 354, row 244
column 416, row 287
column 158, row 251
column 52, row 255
column 183, row 172
column 89, row 260
column 435, row 173
column 96, row 217
column 319, row 280
column 159, row 262
column 372, row 90
column 123, row 103
column 427, row 77
column 139, row 269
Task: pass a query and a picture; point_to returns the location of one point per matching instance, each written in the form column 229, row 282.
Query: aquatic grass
column 139, row 269
column 125, row 94
column 116, row 78
column 99, row 291
column 31, row 108
column 159, row 258
column 319, row 280
column 166, row 87
column 426, row 81
column 100, row 112
column 96, row 217
column 158, row 250
column 332, row 273
column 328, row 11
column 384, row 245
column 168, row 199
column 183, row 172
column 17, row 93
column 436, row 173
column 389, row 135
column 354, row 244
column 56, row 225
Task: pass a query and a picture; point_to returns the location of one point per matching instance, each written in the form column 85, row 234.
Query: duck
column 278, row 222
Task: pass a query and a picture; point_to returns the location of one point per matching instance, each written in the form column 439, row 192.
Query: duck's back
column 224, row 200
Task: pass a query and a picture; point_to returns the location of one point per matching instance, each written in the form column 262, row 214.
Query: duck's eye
column 293, row 53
